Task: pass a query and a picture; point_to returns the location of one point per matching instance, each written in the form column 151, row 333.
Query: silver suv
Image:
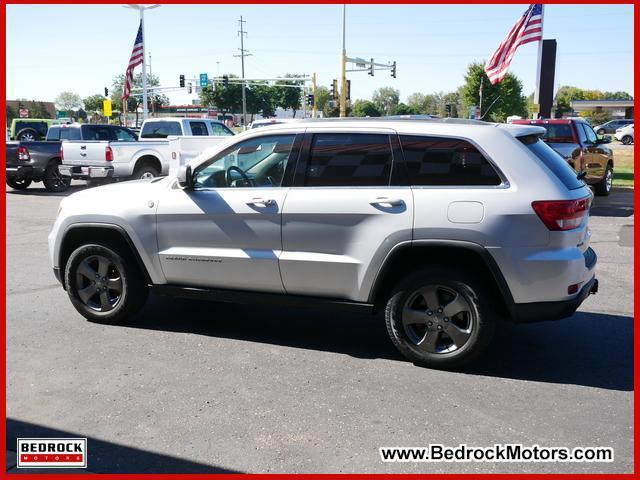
column 445, row 226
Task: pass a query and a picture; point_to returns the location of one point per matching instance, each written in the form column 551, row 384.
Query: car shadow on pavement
column 40, row 191
column 589, row 349
column 103, row 456
column 618, row 204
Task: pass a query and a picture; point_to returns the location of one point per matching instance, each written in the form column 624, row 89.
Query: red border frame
column 636, row 196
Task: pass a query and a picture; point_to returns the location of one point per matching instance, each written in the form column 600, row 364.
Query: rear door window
column 160, row 129
column 553, row 161
column 198, row 129
column 124, row 135
column 97, row 132
column 439, row 161
column 66, row 133
column 219, row 129
column 354, row 159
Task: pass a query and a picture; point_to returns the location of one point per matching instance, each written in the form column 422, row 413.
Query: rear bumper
column 21, row 171
column 83, row 172
column 542, row 311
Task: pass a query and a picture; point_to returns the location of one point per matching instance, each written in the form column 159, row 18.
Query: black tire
column 27, row 135
column 604, row 186
column 53, row 180
column 145, row 171
column 602, row 131
column 473, row 325
column 627, row 140
column 115, row 294
column 18, row 183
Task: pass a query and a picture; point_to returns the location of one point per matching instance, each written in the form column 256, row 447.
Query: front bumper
column 542, row 311
column 84, row 172
column 21, row 171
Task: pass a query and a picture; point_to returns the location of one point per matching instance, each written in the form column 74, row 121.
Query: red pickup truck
column 577, row 142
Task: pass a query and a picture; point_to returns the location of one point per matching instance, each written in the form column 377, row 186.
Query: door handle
column 387, row 202
column 83, row 147
column 264, row 202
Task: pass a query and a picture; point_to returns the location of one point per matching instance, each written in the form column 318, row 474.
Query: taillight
column 108, row 154
column 61, row 153
column 562, row 214
column 23, row 154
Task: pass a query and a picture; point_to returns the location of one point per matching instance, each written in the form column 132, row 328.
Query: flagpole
column 481, row 82
column 536, row 95
column 145, row 109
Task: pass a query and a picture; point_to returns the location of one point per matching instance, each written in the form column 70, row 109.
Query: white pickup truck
column 102, row 159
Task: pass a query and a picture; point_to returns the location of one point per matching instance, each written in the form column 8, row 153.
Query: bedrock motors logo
column 52, row 453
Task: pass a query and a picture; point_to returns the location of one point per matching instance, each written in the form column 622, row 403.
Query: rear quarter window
column 553, row 161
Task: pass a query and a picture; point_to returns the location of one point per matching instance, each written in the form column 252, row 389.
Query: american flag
column 528, row 29
column 134, row 61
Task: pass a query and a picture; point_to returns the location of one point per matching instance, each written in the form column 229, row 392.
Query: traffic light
column 348, row 89
column 393, row 69
column 106, row 92
column 334, row 89
column 310, row 99
column 447, row 108
column 225, row 80
column 189, row 88
column 181, row 80
column 371, row 67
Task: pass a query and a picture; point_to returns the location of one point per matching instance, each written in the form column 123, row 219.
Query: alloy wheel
column 99, row 283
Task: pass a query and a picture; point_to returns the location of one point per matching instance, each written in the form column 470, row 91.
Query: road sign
column 24, row 113
column 204, row 79
column 106, row 107
column 535, row 107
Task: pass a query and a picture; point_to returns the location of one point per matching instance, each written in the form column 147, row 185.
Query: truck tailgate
column 77, row 153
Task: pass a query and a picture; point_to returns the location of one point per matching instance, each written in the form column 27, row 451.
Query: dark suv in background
column 577, row 142
column 612, row 125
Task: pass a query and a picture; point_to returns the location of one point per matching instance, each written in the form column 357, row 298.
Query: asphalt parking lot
column 206, row 387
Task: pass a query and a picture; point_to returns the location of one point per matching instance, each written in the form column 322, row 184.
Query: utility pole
column 343, row 65
column 243, row 53
column 314, row 111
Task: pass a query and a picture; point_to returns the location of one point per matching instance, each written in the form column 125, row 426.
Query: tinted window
column 258, row 162
column 446, row 161
column 553, row 161
column 558, row 133
column 349, row 160
column 591, row 135
column 581, row 132
column 97, row 132
column 198, row 129
column 160, row 129
column 220, row 130
column 65, row 133
column 124, row 135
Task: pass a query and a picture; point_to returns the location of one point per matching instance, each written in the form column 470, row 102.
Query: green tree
column 262, row 99
column 93, row 103
column 226, row 99
column 596, row 118
column 404, row 109
column 498, row 101
column 450, row 98
column 428, row 104
column 365, row 108
column 322, row 97
column 386, row 99
column 68, row 101
column 155, row 100
column 288, row 97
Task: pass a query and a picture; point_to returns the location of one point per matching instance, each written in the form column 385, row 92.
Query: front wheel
column 604, row 186
column 602, row 131
column 18, row 183
column 627, row 140
column 53, row 180
column 440, row 318
column 102, row 285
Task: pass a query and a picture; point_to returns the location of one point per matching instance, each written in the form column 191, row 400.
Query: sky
column 81, row 48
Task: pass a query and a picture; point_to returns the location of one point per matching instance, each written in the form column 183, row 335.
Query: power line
column 243, row 53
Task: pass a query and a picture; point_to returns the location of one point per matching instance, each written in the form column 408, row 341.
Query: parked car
column 160, row 128
column 625, row 134
column 31, row 129
column 578, row 144
column 39, row 161
column 612, row 125
column 445, row 226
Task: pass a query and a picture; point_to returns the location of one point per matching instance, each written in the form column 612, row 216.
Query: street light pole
column 343, row 65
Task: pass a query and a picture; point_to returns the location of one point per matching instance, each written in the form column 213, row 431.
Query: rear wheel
column 53, row 180
column 18, row 183
column 145, row 171
column 627, row 140
column 103, row 285
column 440, row 318
column 604, row 186
column 602, row 131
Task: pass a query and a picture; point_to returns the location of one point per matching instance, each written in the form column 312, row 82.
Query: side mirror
column 605, row 139
column 185, row 177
